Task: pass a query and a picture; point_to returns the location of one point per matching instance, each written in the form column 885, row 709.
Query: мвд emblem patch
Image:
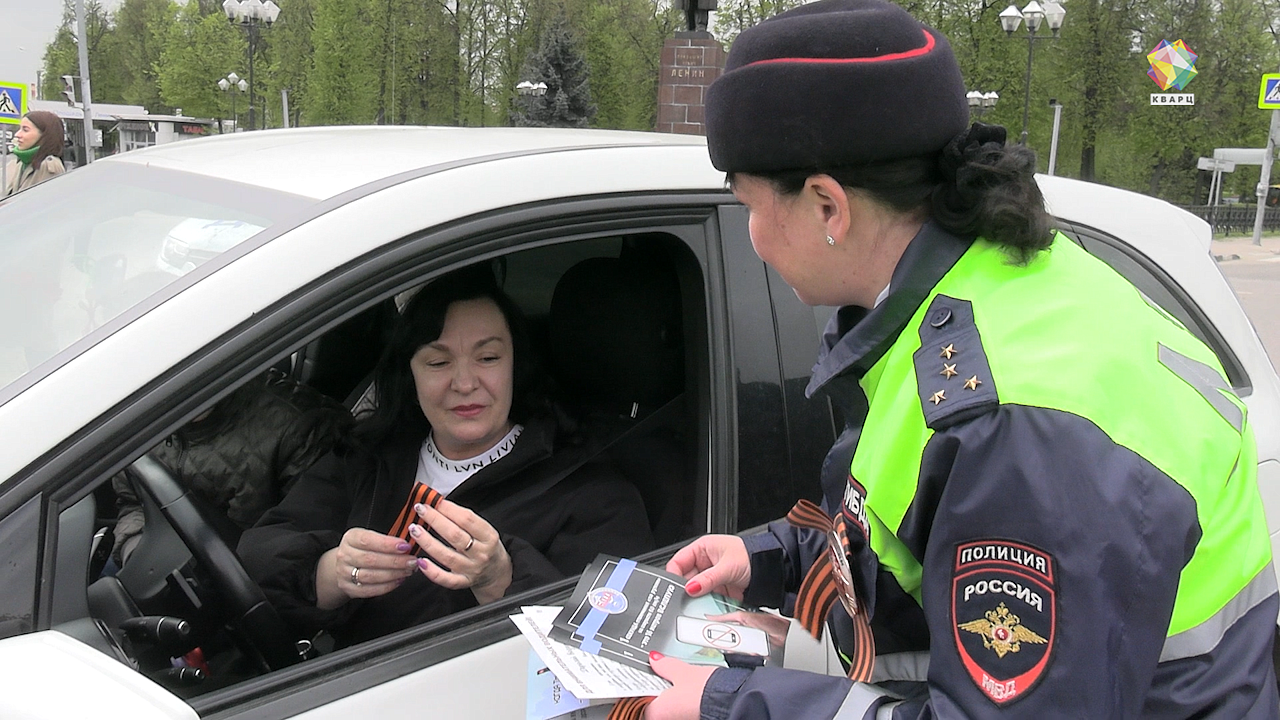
column 1004, row 614
column 854, row 508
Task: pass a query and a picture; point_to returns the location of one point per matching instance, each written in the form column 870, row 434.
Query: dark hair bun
column 989, row 189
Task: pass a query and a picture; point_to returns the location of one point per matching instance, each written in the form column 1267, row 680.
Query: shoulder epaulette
column 952, row 372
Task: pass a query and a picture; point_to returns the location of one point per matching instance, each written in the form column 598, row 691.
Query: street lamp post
column 232, row 83
column 251, row 15
column 1034, row 14
column 1053, row 144
column 980, row 103
column 530, row 90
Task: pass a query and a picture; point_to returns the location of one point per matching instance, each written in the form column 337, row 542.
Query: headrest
column 616, row 337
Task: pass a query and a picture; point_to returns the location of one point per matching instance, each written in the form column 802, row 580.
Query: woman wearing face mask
column 37, row 152
column 365, row 544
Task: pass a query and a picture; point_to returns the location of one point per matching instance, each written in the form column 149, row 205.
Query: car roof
column 321, row 162
column 1148, row 223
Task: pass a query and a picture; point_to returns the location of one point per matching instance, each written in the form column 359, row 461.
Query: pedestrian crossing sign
column 1269, row 93
column 13, row 103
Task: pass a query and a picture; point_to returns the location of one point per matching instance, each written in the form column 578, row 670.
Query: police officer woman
column 1044, row 502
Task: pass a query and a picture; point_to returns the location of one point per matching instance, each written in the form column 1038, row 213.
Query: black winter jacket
column 549, row 537
column 243, row 457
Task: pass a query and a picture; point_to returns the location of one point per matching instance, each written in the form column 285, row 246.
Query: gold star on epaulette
column 972, row 383
column 949, row 350
column 939, row 397
column 949, row 371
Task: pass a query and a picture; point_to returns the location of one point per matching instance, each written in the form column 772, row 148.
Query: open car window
column 619, row 325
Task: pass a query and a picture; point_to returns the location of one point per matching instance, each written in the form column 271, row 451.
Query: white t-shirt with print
column 444, row 475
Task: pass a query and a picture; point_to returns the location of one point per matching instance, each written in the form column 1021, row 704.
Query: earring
column 831, row 241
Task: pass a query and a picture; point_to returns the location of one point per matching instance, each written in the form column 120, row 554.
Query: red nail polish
column 693, row 588
column 655, row 656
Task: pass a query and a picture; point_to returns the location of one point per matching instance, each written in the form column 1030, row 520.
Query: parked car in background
column 112, row 337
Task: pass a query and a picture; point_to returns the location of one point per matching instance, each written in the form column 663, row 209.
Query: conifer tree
column 558, row 63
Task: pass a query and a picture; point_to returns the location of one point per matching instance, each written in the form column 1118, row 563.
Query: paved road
column 1254, row 273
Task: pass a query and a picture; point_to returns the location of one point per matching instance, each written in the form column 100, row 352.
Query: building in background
column 122, row 127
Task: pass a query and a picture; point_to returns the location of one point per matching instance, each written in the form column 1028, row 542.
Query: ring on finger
column 470, row 542
column 355, row 576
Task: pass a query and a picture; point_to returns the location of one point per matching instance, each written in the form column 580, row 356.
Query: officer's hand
column 683, row 700
column 714, row 563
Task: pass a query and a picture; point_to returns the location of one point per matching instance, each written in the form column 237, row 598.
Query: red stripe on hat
column 928, row 47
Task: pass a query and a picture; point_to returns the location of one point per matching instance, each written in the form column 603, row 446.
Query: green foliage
column 61, row 56
column 1097, row 70
column 622, row 43
column 734, row 16
column 146, row 25
column 342, row 86
column 284, row 62
column 457, row 62
column 201, row 50
column 559, row 64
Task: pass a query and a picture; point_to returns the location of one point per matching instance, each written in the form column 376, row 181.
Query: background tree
column 285, row 62
column 199, row 51
column 457, row 62
column 622, row 43
column 559, row 64
column 342, row 88
column 1096, row 52
column 61, row 55
column 734, row 16
column 146, row 25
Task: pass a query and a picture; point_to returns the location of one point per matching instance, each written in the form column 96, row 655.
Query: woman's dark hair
column 977, row 185
column 51, row 136
column 420, row 324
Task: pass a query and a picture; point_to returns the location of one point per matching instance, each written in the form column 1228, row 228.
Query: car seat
column 340, row 363
column 617, row 354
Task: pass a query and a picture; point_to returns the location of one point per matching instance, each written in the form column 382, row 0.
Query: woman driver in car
column 366, row 543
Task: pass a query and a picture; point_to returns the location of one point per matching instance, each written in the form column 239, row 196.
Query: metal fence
column 1227, row 219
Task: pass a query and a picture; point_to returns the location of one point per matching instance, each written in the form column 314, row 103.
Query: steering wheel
column 255, row 619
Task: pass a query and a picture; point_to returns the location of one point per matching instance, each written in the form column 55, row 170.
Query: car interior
column 618, row 324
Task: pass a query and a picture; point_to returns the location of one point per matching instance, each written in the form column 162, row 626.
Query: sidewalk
column 1241, row 247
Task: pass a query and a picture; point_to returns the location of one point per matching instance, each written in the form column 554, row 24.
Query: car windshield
column 79, row 251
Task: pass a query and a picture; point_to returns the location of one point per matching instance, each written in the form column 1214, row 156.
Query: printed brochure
column 622, row 611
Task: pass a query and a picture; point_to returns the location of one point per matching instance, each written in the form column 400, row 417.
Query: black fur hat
column 834, row 83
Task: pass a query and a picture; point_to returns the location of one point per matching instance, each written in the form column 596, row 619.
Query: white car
column 109, row 342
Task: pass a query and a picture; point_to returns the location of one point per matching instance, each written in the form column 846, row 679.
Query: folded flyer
column 584, row 678
column 622, row 611
column 547, row 698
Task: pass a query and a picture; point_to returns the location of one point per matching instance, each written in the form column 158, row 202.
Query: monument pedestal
column 691, row 61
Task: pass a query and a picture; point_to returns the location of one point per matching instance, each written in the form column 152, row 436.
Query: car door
column 472, row 664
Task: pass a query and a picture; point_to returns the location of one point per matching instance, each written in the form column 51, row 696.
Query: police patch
column 1004, row 614
column 854, row 508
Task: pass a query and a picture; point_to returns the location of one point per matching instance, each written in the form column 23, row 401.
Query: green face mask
column 25, row 156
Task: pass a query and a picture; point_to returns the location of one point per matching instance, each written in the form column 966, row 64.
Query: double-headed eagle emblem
column 1002, row 631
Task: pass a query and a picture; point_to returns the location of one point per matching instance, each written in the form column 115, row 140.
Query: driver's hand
column 365, row 564
column 474, row 555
